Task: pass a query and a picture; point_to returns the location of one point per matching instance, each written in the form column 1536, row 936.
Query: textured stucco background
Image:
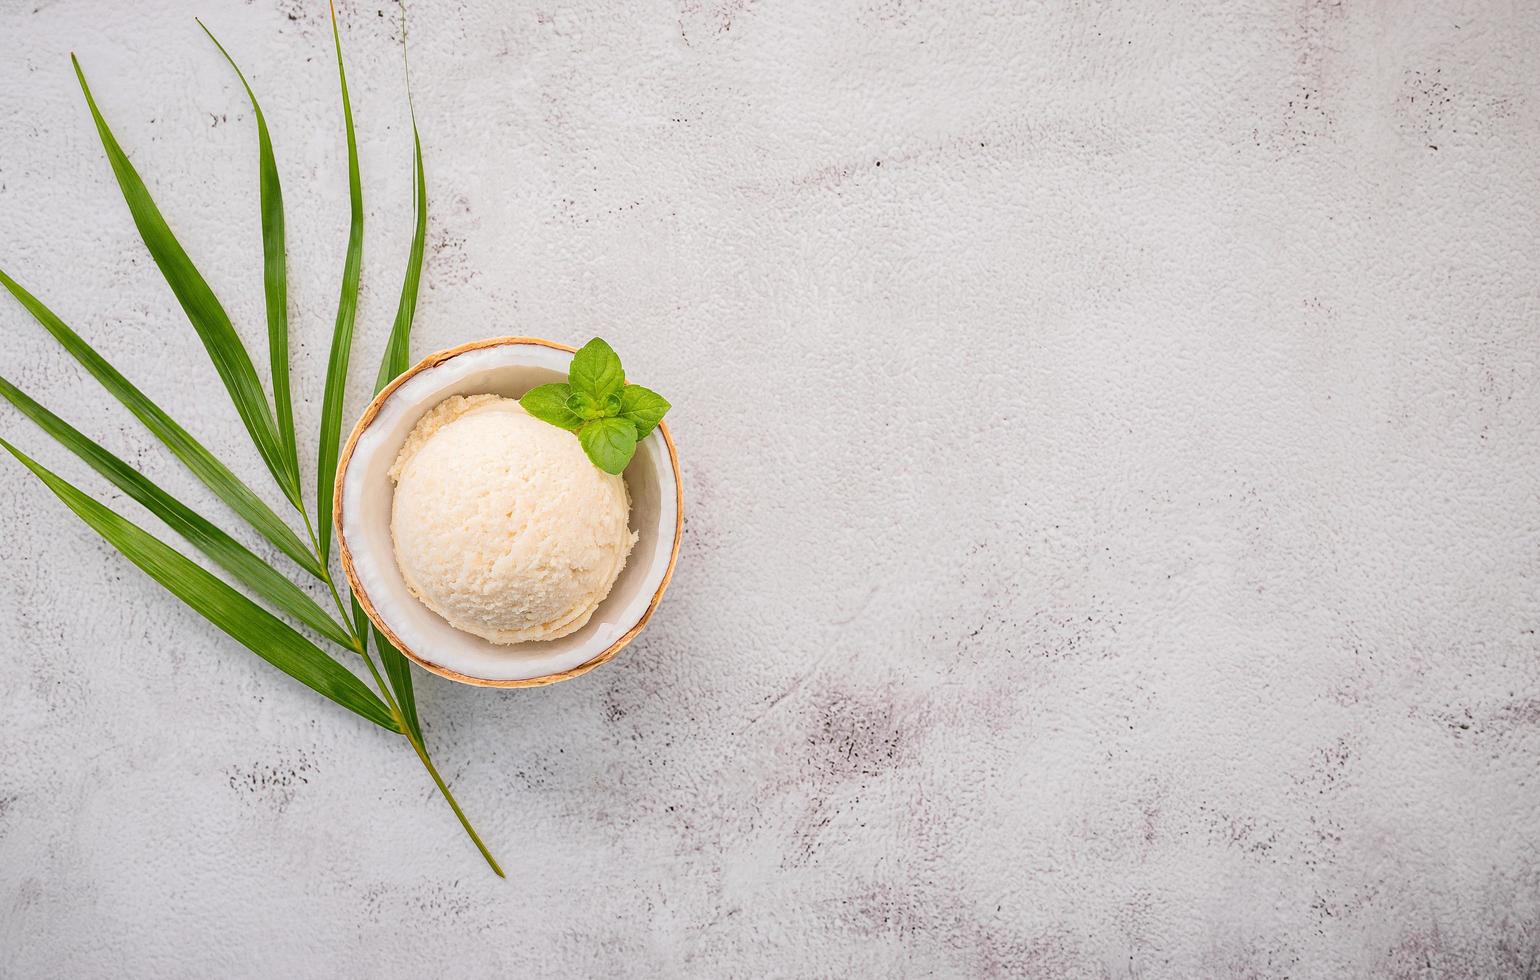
column 1111, row 435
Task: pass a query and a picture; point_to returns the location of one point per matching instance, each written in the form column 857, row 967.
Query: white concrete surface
column 1111, row 435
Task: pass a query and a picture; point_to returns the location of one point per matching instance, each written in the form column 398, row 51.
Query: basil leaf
column 610, row 443
column 643, row 408
column 586, row 406
column 548, row 403
column 596, row 371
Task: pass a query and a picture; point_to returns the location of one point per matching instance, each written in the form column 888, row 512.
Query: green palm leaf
column 208, row 317
column 398, row 670
column 398, row 347
column 275, row 281
column 257, row 629
column 394, row 707
column 214, row 474
column 342, row 334
column 228, row 553
column 360, row 619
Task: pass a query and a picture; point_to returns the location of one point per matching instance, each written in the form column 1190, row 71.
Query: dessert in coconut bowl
column 509, row 511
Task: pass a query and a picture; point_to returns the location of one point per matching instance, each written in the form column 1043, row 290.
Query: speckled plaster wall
column 1111, row 435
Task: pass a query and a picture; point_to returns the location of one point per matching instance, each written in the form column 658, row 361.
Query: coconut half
column 507, row 366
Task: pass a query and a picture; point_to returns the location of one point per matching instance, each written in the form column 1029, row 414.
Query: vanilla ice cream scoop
column 502, row 525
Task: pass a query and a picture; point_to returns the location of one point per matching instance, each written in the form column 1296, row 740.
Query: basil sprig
column 609, row 416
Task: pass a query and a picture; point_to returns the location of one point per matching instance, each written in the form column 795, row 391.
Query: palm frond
column 342, row 333
column 200, row 304
column 225, row 551
column 394, row 707
column 203, row 464
column 254, row 627
column 275, row 276
column 397, row 357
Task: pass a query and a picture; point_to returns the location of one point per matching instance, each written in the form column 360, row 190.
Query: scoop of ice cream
column 502, row 525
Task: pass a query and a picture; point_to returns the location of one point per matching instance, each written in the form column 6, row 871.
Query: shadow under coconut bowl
column 507, row 366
